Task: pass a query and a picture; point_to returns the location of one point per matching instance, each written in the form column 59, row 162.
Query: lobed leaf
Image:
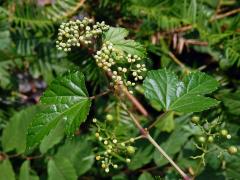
column 66, row 100
column 117, row 37
column 163, row 87
column 61, row 169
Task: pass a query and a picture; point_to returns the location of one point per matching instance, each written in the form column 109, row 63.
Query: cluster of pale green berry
column 113, row 150
column 108, row 56
column 212, row 131
column 75, row 33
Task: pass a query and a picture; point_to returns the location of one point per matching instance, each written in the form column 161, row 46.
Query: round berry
column 210, row 139
column 195, row 119
column 224, row 132
column 130, row 149
column 109, row 117
column 232, row 150
column 201, row 139
column 128, row 160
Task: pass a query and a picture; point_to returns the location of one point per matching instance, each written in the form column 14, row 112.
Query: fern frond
column 233, row 56
column 4, row 29
column 62, row 9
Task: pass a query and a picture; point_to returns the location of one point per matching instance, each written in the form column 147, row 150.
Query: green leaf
column 175, row 141
column 14, row 135
column 141, row 157
column 117, row 37
column 53, row 138
column 163, row 87
column 166, row 122
column 81, row 155
column 189, row 103
column 145, row 176
column 160, row 87
column 61, row 169
column 66, row 99
column 232, row 102
column 6, row 170
column 25, row 172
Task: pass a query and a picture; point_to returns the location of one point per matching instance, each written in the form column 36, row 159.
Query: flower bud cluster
column 122, row 67
column 104, row 57
column 75, row 33
column 111, row 146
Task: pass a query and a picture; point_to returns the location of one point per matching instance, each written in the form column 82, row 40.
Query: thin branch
column 146, row 134
column 217, row 8
column 159, row 119
column 101, row 94
column 177, row 61
column 6, row 156
column 180, row 171
column 134, row 100
column 178, row 30
column 143, row 131
column 195, row 42
column 190, row 26
column 229, row 13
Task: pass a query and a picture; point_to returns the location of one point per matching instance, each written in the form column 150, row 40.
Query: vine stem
column 229, row 13
column 146, row 135
column 178, row 62
column 159, row 119
column 180, row 171
column 134, row 100
column 101, row 94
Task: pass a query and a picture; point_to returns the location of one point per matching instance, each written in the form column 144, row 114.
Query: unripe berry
column 129, row 83
column 201, row 139
column 224, row 132
column 128, row 160
column 210, row 139
column 98, row 158
column 97, row 135
column 124, row 70
column 109, row 117
column 195, row 119
column 123, row 144
column 134, row 74
column 228, row 136
column 107, row 170
column 132, row 140
column 232, row 150
column 103, row 166
column 130, row 149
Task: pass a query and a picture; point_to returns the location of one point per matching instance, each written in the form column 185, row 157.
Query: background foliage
column 179, row 36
